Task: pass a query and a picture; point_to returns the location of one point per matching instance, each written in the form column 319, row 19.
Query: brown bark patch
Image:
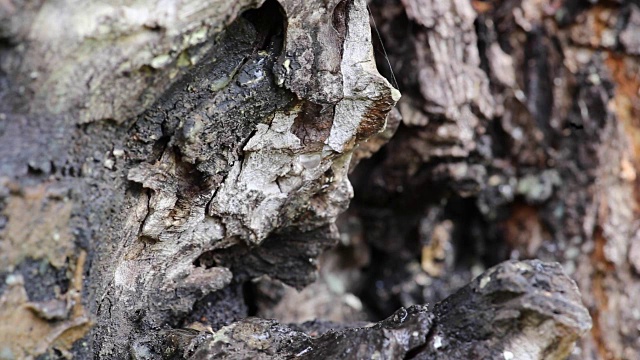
column 524, row 231
column 373, row 121
column 626, row 106
column 313, row 123
column 37, row 227
column 602, row 266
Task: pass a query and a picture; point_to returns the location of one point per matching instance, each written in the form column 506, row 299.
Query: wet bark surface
column 173, row 175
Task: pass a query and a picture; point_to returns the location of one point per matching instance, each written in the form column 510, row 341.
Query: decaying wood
column 544, row 166
column 516, row 310
column 166, row 165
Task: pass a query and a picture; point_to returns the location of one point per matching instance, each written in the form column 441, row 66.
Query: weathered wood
column 516, row 310
column 186, row 147
column 158, row 157
column 549, row 171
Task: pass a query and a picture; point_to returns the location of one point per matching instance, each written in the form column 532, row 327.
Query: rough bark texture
column 521, row 310
column 519, row 139
column 169, row 168
column 183, row 147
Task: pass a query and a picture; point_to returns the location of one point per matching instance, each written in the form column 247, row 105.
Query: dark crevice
column 270, row 24
column 339, row 22
column 283, row 256
column 219, row 308
column 413, row 353
column 250, row 298
column 485, row 38
column 538, row 77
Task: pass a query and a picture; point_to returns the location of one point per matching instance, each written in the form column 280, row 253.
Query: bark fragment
column 516, row 310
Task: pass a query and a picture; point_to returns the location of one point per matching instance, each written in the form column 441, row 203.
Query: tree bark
column 519, row 140
column 521, row 310
column 168, row 166
column 158, row 153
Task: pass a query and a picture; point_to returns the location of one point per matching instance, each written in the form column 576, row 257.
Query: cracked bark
column 167, row 166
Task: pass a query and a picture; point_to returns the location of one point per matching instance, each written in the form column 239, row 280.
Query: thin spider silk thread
column 375, row 27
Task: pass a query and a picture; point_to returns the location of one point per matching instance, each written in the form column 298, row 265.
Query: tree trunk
column 519, row 140
column 171, row 168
